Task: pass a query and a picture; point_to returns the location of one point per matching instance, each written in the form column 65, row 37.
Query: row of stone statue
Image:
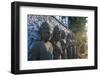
column 55, row 45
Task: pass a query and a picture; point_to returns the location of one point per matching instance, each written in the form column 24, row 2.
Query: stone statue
column 63, row 44
column 71, row 47
column 43, row 50
column 57, row 48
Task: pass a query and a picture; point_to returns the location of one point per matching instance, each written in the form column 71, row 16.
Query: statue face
column 63, row 34
column 45, row 35
column 57, row 33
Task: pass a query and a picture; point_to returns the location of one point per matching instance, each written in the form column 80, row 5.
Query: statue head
column 63, row 35
column 44, row 31
column 56, row 33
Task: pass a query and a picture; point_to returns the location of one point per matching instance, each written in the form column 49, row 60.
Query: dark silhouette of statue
column 57, row 48
column 43, row 50
column 63, row 44
column 71, row 47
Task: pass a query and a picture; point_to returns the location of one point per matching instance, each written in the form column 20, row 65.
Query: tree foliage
column 78, row 26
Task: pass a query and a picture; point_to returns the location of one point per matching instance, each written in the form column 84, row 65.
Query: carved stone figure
column 43, row 50
column 71, row 47
column 63, row 44
column 57, row 48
